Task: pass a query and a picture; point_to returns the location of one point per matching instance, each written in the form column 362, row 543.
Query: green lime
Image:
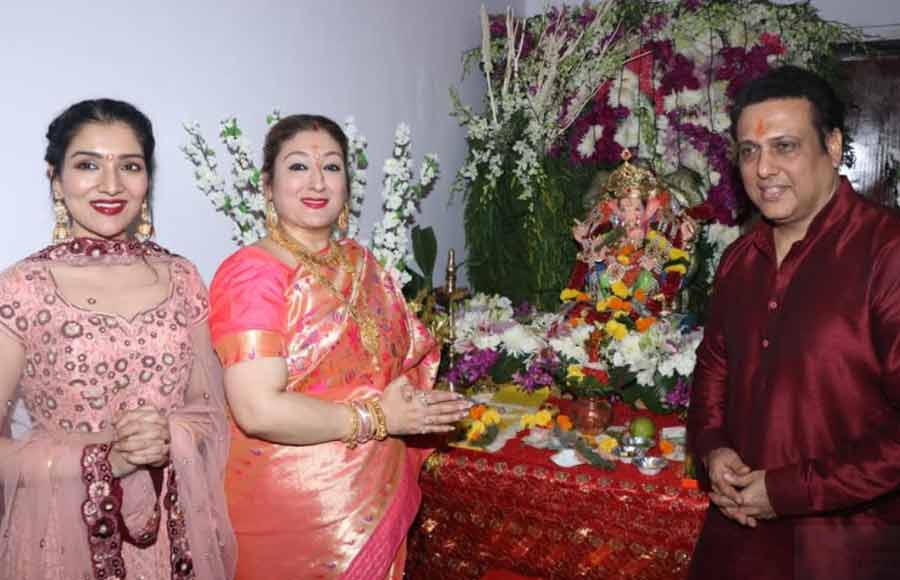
column 642, row 427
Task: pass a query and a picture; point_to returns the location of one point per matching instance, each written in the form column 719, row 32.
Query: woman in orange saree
column 325, row 368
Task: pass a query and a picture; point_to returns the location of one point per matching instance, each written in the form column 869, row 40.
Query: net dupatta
column 199, row 451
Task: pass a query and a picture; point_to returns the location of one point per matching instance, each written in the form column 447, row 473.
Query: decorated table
column 517, row 511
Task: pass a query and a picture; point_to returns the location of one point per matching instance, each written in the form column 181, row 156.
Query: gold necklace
column 334, row 258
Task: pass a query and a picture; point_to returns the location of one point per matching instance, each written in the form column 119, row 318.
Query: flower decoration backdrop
column 567, row 90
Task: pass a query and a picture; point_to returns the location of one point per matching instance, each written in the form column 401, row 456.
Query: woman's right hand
column 411, row 412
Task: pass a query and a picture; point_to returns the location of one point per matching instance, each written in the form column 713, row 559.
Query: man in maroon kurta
column 795, row 413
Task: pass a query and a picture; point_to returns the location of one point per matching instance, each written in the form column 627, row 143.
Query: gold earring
column 61, row 231
column 271, row 216
column 145, row 228
column 343, row 221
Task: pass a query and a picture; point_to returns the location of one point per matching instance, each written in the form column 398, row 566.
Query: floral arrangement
column 401, row 192
column 245, row 203
column 590, row 349
column 482, row 425
column 659, row 82
column 545, row 419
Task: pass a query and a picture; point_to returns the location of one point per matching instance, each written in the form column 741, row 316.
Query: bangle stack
column 367, row 422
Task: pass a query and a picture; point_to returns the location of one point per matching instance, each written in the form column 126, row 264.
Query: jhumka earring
column 61, row 229
column 343, row 221
column 271, row 216
column 145, row 228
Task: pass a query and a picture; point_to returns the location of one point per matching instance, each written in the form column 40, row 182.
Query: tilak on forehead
column 760, row 129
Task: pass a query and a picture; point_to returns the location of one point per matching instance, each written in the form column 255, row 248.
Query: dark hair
column 285, row 129
column 791, row 82
column 64, row 128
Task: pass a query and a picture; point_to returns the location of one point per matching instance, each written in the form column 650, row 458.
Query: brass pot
column 591, row 415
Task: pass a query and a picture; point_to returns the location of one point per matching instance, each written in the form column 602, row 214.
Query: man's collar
column 762, row 233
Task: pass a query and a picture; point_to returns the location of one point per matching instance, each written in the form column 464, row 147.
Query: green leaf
column 424, row 245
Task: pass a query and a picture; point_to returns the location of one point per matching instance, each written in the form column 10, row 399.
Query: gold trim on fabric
column 250, row 345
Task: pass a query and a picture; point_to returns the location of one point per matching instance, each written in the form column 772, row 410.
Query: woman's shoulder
column 248, row 264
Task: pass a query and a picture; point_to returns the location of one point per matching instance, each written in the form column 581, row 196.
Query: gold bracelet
column 381, row 432
column 350, row 440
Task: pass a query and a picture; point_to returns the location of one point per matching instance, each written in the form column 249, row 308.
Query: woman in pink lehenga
column 325, row 367
column 114, row 434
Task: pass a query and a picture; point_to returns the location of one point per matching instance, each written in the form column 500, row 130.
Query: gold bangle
column 366, row 422
column 381, row 432
column 350, row 440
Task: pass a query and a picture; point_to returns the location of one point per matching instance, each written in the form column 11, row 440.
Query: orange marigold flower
column 666, row 447
column 644, row 323
column 626, row 250
column 477, row 411
column 640, row 295
column 564, row 422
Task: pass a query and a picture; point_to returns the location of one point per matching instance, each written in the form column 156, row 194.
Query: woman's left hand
column 410, row 412
column 142, row 437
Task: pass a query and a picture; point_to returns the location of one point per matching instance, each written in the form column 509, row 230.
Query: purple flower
column 523, row 310
column 680, row 396
column 540, row 373
column 472, row 366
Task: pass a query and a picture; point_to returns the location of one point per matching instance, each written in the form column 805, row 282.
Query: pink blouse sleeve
column 248, row 308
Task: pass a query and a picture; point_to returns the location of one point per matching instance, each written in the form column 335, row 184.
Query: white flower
column 588, row 143
column 520, row 340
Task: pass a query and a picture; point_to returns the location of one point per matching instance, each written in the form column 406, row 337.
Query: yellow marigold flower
column 623, row 259
column 676, row 254
column 491, row 417
column 620, row 289
column 607, row 444
column 476, row 431
column 568, row 294
column 526, row 421
column 651, row 235
column 615, row 329
column 602, row 305
column 574, row 371
column 543, row 418
column 680, row 268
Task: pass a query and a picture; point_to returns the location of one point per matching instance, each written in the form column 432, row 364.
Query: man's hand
column 755, row 504
column 723, row 464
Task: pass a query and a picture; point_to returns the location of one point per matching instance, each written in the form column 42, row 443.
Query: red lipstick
column 111, row 207
column 314, row 202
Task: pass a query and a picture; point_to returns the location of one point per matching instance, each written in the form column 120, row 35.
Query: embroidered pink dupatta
column 320, row 511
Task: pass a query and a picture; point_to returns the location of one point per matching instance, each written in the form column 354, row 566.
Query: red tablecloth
column 515, row 510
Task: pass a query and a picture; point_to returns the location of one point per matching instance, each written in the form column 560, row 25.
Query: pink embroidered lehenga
column 320, row 511
column 62, row 515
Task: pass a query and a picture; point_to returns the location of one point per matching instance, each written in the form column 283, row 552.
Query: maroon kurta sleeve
column 869, row 467
column 706, row 418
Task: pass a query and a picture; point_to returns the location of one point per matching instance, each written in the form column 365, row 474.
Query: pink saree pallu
column 320, row 511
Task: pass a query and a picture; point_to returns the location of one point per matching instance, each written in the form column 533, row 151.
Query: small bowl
column 627, row 453
column 650, row 465
column 638, row 441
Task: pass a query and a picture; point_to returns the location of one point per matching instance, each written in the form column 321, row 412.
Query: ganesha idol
column 636, row 243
